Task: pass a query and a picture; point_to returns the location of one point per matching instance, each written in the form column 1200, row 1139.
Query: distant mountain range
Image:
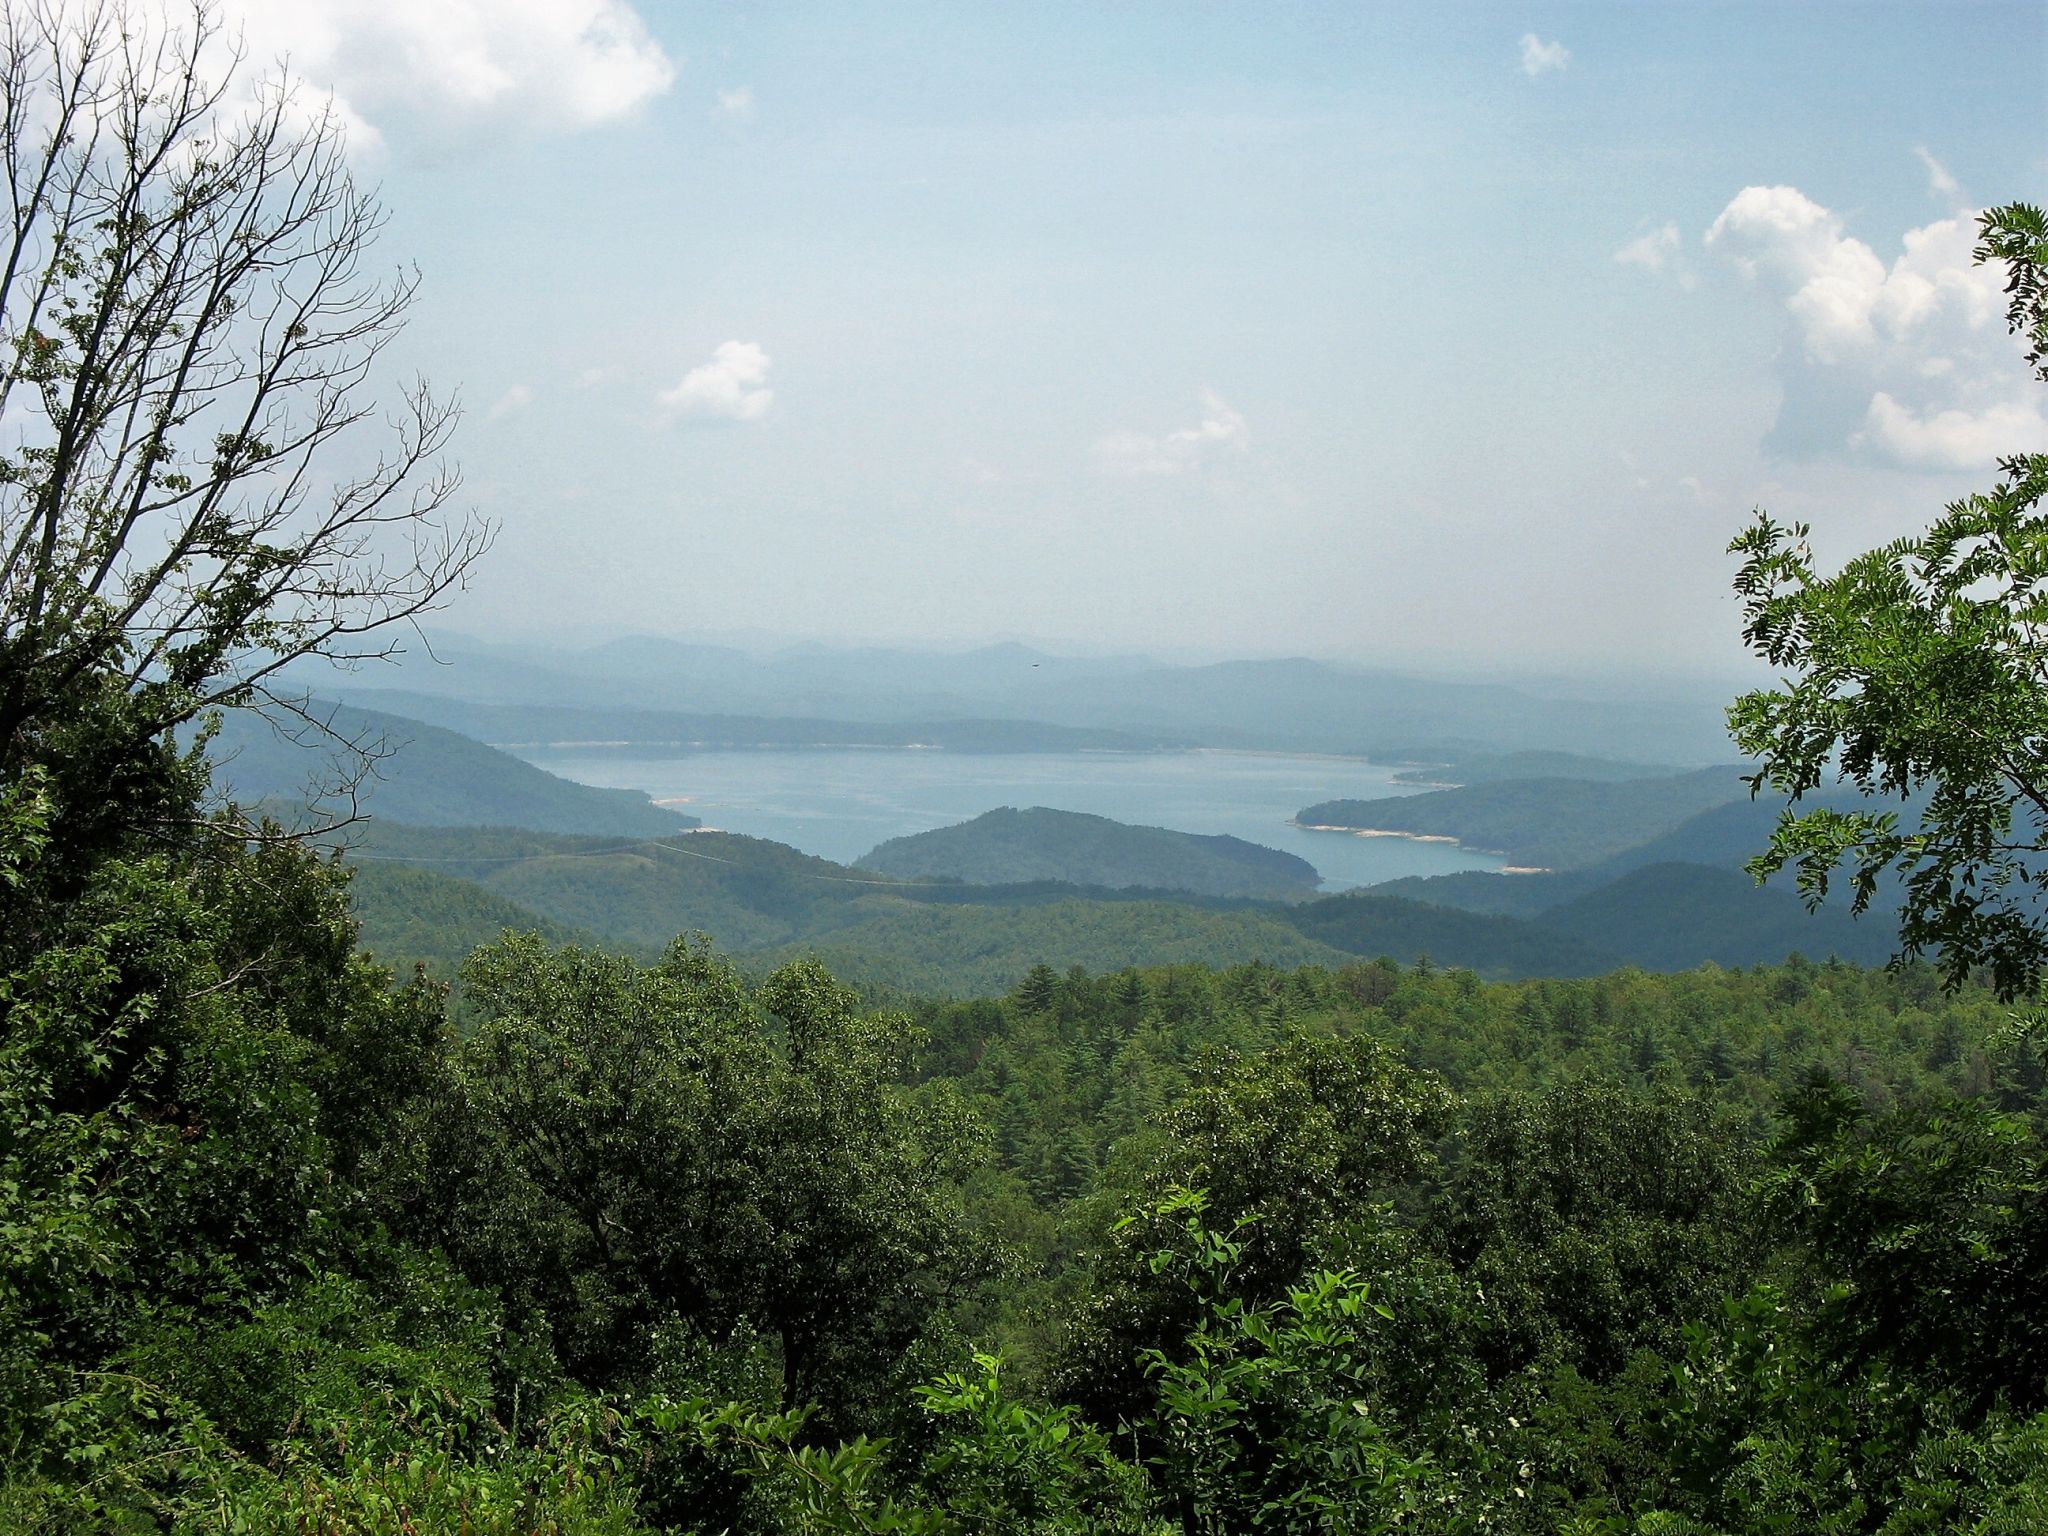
column 661, row 732
column 1288, row 704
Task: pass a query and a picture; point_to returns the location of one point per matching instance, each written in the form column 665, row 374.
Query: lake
column 839, row 803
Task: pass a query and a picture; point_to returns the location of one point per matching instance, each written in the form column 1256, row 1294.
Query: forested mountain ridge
column 419, row 774
column 1008, row 846
column 1542, row 823
column 764, row 901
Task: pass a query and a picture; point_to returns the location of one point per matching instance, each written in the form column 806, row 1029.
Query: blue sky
column 1415, row 333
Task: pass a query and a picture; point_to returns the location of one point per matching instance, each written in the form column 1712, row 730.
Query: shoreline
column 1429, row 837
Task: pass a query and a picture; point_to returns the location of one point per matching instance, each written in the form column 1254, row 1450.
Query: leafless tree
column 196, row 487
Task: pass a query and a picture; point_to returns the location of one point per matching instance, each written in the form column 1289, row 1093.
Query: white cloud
column 1653, row 251
column 1953, row 439
column 547, row 64
column 1939, row 182
column 1139, row 453
column 590, row 378
column 1661, row 251
column 1910, row 361
column 731, row 387
column 1540, row 58
column 736, row 105
column 517, row 398
column 1781, row 234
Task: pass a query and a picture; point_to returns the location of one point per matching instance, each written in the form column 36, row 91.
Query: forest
column 618, row 1236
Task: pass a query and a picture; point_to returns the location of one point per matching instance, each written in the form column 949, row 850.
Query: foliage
column 1917, row 671
column 630, row 1147
column 1263, row 1419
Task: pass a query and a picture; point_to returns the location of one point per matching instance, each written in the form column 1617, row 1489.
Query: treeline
column 769, row 903
column 653, row 1248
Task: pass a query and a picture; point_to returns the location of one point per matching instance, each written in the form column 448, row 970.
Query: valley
column 954, row 872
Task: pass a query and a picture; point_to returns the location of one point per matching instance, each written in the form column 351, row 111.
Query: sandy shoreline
column 1428, row 837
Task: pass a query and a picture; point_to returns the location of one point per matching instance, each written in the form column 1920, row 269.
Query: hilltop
column 1008, row 846
column 422, row 775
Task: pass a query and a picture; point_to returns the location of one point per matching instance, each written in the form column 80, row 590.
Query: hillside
column 764, row 901
column 957, row 951
column 1543, row 823
column 1367, row 924
column 1666, row 917
column 1723, row 838
column 414, row 915
column 1008, row 846
column 640, row 894
column 424, row 775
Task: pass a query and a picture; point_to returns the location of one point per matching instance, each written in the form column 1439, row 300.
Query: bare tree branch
column 190, row 326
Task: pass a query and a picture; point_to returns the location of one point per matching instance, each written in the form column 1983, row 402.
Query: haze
column 1389, row 332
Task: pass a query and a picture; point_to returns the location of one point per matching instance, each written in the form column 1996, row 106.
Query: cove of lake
column 838, row 803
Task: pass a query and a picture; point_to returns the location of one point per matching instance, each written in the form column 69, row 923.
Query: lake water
column 840, row 803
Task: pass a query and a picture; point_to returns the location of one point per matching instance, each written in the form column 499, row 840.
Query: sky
column 1379, row 332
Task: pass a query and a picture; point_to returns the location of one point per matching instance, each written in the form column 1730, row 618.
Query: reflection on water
column 840, row 803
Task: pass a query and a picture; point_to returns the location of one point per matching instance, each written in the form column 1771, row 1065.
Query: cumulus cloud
column 1142, row 454
column 1540, row 58
column 517, row 398
column 736, row 105
column 733, row 386
column 1908, row 360
column 1952, row 439
column 547, row 64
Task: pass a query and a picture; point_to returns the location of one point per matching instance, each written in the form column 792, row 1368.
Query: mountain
column 421, row 774
column 1008, row 846
column 664, row 732
column 414, row 915
column 1294, row 704
column 1672, row 917
column 1370, row 925
column 767, row 902
column 982, row 951
column 1683, row 898
column 1546, row 823
column 1724, row 837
